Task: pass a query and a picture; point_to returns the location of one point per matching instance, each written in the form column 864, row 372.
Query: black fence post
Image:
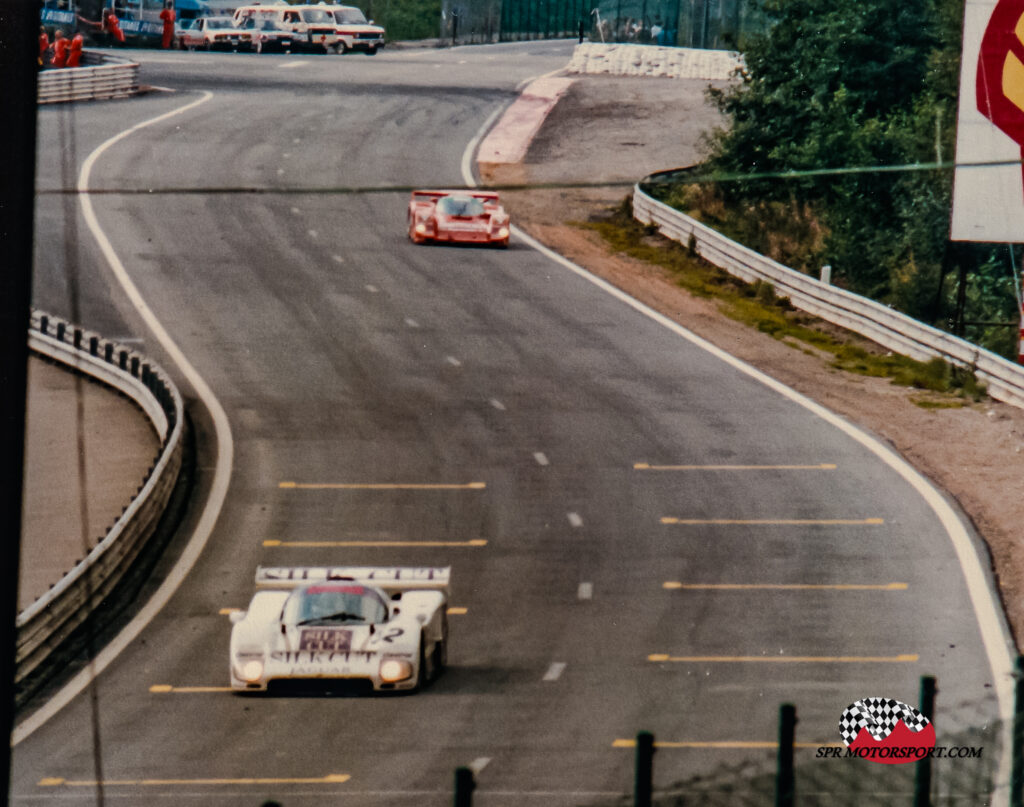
column 1017, row 762
column 643, row 788
column 923, row 771
column 785, row 778
column 464, row 787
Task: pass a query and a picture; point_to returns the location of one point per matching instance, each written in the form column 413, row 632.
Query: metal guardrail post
column 643, row 788
column 785, row 777
column 1017, row 760
column 464, row 787
column 923, row 767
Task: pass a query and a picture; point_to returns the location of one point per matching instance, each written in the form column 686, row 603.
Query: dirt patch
column 974, row 453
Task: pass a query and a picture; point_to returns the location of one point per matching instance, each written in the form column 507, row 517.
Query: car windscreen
column 460, row 206
column 349, row 16
column 333, row 604
column 315, row 15
column 220, row 23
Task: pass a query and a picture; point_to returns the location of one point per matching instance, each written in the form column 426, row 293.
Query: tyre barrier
column 53, row 618
column 653, row 60
column 102, row 76
column 881, row 324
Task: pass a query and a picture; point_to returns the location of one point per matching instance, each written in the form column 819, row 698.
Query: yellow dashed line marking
column 792, row 522
column 475, row 542
column 824, row 466
column 903, row 658
column 228, row 611
column 330, row 779
column 163, row 689
column 747, row 744
column 675, row 585
column 380, row 486
column 458, row 611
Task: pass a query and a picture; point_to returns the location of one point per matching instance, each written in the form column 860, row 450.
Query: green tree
column 853, row 83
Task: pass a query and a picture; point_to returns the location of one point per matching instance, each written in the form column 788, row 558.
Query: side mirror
column 237, row 616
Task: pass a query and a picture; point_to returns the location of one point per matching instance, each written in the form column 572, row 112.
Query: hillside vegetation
column 858, row 98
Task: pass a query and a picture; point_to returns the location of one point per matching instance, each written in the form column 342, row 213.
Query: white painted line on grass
column 554, row 671
column 411, row 322
column 337, row 259
column 575, row 519
column 478, row 764
column 454, row 362
column 541, row 458
column 497, row 404
column 372, row 289
column 585, row 591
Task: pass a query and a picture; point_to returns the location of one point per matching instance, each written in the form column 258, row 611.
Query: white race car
column 353, row 629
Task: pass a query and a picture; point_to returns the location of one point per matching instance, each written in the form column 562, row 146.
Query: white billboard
column 988, row 188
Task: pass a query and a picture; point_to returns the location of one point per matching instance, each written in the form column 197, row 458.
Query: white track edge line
column 222, row 469
column 994, row 634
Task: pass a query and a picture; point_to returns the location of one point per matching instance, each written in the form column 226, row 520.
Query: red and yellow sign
column 1000, row 77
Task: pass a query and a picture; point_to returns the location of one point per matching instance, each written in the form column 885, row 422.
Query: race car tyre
column 421, row 670
column 441, row 649
column 342, row 48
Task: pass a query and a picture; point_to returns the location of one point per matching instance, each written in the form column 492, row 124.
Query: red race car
column 465, row 217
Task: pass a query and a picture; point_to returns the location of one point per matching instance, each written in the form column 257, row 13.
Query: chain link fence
column 709, row 24
column 969, row 769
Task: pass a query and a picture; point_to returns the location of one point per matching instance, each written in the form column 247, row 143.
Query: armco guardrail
column 51, row 619
column 896, row 331
column 103, row 76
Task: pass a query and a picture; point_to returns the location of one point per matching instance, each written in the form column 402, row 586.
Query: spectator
column 168, row 16
column 60, row 50
column 75, row 51
column 44, row 46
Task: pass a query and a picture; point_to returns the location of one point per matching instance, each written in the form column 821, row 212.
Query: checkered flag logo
column 879, row 716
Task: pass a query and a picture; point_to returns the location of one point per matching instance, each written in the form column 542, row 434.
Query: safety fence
column 976, row 760
column 881, row 324
column 101, row 76
column 705, row 24
column 53, row 618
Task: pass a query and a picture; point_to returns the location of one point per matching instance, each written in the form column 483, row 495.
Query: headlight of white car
column 249, row 666
column 503, row 232
column 393, row 670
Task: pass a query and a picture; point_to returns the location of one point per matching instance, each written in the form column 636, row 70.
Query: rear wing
column 427, row 196
column 392, row 579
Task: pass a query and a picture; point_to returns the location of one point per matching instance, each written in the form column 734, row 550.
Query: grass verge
column 757, row 305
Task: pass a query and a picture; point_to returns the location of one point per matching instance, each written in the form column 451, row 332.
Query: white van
column 314, row 27
column 355, row 32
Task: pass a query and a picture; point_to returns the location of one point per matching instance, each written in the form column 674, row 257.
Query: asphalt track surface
column 343, row 354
